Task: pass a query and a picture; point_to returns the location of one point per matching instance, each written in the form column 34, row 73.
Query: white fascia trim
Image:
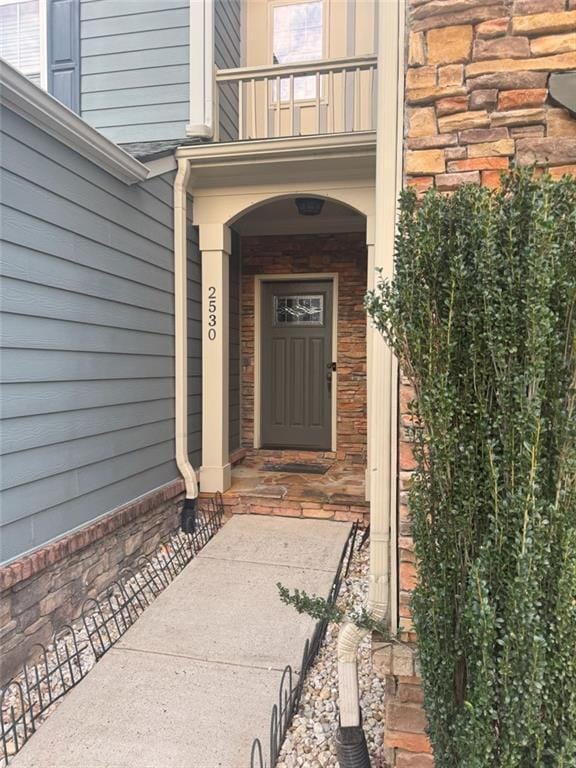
column 20, row 95
column 201, row 87
column 287, row 148
column 161, row 166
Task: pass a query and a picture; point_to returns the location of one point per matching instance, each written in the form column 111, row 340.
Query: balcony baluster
column 312, row 98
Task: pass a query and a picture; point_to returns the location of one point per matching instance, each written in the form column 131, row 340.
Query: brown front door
column 296, row 371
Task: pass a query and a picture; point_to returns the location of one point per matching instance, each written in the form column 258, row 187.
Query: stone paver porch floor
column 193, row 681
column 338, row 494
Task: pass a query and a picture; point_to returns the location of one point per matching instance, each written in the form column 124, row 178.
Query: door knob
column 331, row 368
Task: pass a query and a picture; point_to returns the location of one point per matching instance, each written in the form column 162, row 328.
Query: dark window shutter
column 64, row 51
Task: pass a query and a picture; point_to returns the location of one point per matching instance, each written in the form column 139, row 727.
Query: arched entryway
column 302, row 279
column 296, row 346
column 298, row 275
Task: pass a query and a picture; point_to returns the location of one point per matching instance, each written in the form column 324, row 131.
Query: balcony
column 335, row 96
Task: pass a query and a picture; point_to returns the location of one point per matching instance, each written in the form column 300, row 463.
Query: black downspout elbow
column 351, row 747
column 188, row 515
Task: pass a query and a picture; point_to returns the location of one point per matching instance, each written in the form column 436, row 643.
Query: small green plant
column 482, row 316
column 322, row 610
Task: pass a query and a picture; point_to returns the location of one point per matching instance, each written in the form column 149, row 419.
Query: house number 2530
column 211, row 313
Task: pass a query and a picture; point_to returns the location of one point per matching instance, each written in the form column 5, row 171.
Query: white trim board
column 20, row 95
column 161, row 166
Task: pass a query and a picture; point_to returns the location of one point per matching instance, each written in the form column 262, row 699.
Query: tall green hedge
column 482, row 315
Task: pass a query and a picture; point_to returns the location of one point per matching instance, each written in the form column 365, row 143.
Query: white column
column 370, row 281
column 383, row 373
column 215, row 474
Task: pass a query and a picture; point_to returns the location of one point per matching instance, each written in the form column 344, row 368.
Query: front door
column 296, row 371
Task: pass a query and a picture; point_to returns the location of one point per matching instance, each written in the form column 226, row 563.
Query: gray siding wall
column 87, row 339
column 227, row 54
column 135, row 68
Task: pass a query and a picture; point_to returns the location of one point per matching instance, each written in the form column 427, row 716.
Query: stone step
column 356, row 510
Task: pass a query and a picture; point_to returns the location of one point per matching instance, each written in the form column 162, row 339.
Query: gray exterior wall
column 87, row 339
column 135, row 68
column 227, row 54
column 135, row 79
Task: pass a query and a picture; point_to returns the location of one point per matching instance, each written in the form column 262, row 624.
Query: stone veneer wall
column 476, row 89
column 405, row 742
column 344, row 254
column 42, row 591
column 476, row 100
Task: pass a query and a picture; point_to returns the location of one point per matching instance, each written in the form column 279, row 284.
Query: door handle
column 331, row 369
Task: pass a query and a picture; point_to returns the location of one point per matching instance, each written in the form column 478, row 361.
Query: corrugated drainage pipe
column 189, row 507
column 351, row 748
column 350, row 742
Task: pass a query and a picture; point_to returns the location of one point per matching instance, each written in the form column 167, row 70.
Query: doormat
column 302, row 469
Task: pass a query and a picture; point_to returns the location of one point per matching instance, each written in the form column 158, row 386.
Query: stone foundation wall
column 405, row 742
column 344, row 254
column 43, row 590
column 477, row 100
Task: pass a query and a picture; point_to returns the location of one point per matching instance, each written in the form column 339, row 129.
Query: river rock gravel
column 310, row 739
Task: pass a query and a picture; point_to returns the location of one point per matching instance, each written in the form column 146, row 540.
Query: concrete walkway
column 193, row 681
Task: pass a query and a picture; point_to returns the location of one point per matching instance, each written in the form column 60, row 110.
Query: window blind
column 20, row 37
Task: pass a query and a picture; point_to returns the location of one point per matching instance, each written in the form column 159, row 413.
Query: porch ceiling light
column 309, row 206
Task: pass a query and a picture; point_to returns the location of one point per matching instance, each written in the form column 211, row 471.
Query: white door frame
column 296, row 277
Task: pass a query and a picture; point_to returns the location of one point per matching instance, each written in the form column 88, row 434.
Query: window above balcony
column 297, row 31
column 298, row 35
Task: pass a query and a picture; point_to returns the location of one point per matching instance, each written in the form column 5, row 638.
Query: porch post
column 215, row 246
column 370, row 281
column 383, row 589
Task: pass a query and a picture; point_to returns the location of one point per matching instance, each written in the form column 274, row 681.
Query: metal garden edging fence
column 290, row 692
column 55, row 669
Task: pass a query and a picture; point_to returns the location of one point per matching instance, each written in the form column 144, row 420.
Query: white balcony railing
column 321, row 97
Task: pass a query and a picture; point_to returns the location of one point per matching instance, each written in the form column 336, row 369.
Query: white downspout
column 181, row 331
column 382, row 376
